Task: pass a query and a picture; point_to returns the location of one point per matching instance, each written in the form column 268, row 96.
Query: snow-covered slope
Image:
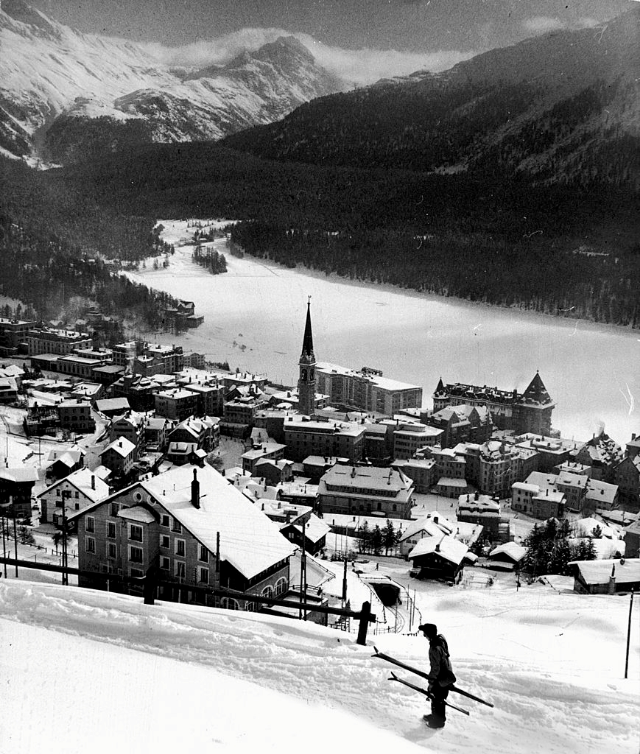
column 64, row 94
column 91, row 671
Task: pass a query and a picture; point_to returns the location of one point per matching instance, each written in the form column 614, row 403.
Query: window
column 203, row 575
column 181, row 548
column 267, row 591
column 90, row 544
column 250, row 607
column 111, row 530
column 77, row 495
column 176, row 527
column 90, row 524
column 228, row 603
column 135, row 533
column 136, row 573
column 135, row 554
column 165, row 541
column 57, row 493
column 203, row 554
column 165, row 520
column 181, row 569
column 165, row 564
column 115, row 507
column 111, row 550
column 281, row 586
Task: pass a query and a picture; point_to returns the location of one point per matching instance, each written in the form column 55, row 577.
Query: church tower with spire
column 307, row 375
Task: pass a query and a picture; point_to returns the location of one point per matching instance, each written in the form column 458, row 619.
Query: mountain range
column 67, row 96
column 560, row 108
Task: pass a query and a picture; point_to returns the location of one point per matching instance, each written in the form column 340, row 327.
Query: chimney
column 195, row 490
column 93, row 482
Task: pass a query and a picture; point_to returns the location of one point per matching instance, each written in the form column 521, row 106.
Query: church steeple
column 307, row 343
column 307, row 364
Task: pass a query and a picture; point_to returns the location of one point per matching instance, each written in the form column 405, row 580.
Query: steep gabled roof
column 536, row 394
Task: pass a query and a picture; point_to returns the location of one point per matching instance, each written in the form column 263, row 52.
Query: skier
column 441, row 676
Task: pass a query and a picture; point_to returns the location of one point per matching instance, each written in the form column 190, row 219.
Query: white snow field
column 88, row 671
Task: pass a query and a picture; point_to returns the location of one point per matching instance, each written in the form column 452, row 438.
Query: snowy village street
column 550, row 660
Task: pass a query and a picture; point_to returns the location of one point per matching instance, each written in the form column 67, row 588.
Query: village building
column 16, row 490
column 8, row 389
column 610, row 576
column 119, row 456
column 409, row 437
column 177, row 404
column 203, row 431
column 13, row 335
column 261, row 452
column 132, row 426
column 54, row 341
column 627, row 477
column 529, row 411
column 366, row 490
column 197, row 529
column 435, row 525
column 87, row 391
column 440, row 558
column 506, row 557
column 111, row 407
column 305, row 437
column 61, row 463
column 632, row 539
column 461, row 423
column 76, row 416
column 536, row 501
column 367, row 389
column 108, row 374
column 484, row 510
column 421, row 470
column 80, row 366
column 602, row 454
column 75, row 492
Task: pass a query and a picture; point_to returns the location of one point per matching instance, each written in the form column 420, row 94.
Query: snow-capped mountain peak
column 65, row 95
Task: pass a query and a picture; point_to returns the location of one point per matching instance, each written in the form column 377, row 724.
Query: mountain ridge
column 563, row 107
column 57, row 82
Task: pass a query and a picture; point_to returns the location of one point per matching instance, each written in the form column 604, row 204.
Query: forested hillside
column 560, row 250
column 54, row 245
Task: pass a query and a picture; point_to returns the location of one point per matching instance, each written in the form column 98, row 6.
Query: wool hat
column 429, row 629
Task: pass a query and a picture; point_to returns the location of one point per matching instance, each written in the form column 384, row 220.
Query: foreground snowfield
column 90, row 671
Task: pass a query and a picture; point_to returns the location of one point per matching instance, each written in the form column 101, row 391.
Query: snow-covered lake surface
column 254, row 318
column 88, row 671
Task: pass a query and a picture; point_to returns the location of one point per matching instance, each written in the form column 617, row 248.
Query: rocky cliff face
column 65, row 96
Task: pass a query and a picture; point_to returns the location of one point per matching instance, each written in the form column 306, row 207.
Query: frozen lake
column 254, row 318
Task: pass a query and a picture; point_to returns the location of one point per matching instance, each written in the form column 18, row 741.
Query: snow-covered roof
column 85, row 481
column 433, row 524
column 121, row 446
column 446, row 547
column 137, row 513
column 600, row 571
column 446, row 481
column 314, row 529
column 249, row 541
column 511, row 549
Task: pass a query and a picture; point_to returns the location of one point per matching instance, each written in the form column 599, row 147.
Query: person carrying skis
column 441, row 676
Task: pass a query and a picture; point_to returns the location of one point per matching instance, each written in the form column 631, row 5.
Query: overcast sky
column 391, row 36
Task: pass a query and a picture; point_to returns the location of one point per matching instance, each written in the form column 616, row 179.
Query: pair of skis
column 394, row 677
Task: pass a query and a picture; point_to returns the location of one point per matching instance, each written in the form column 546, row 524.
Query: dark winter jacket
column 441, row 671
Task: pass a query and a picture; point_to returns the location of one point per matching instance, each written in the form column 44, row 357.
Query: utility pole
column 626, row 662
column 65, row 576
column 4, row 545
column 303, row 572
